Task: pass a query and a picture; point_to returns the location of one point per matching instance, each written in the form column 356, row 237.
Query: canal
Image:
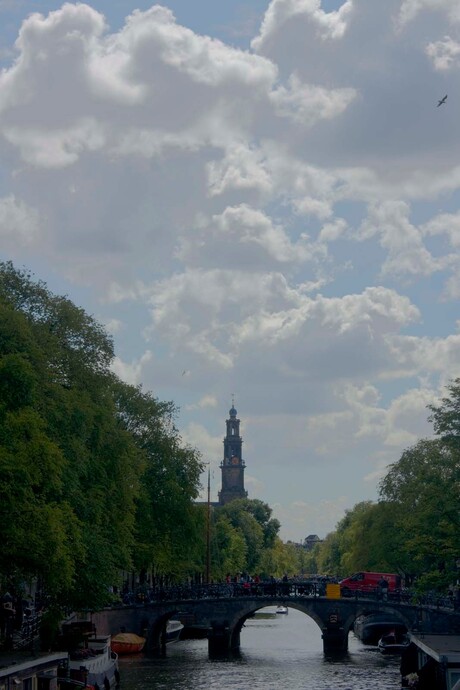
column 277, row 651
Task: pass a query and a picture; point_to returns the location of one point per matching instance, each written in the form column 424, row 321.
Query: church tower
column 232, row 465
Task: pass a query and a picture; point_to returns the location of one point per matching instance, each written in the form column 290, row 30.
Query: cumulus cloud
column 407, row 254
column 247, row 238
column 411, row 8
column 445, row 53
column 328, row 25
column 19, row 224
column 132, row 372
column 306, row 104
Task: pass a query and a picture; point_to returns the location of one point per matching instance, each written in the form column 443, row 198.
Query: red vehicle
column 370, row 583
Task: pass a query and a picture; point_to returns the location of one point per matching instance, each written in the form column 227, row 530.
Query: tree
column 253, row 519
column 279, row 560
column 87, row 463
column 228, row 548
column 446, row 416
column 329, row 555
column 423, row 489
column 166, row 528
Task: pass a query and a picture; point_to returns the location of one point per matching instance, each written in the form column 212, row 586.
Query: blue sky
column 263, row 195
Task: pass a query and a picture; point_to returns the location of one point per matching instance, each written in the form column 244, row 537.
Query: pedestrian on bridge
column 383, row 588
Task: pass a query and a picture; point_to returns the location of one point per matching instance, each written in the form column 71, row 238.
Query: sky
column 258, row 199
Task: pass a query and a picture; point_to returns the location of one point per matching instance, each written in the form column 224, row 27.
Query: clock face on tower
column 234, row 460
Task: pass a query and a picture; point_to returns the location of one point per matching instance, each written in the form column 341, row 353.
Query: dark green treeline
column 94, row 477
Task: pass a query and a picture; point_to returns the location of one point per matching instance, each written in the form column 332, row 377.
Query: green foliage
column 252, row 518
column 94, row 478
column 446, row 416
column 329, row 555
column 279, row 560
column 228, row 548
column 423, row 490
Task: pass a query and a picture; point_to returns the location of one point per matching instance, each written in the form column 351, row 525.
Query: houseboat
column 95, row 663
column 24, row 672
column 434, row 660
column 91, row 661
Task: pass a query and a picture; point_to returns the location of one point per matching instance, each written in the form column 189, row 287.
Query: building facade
column 232, row 466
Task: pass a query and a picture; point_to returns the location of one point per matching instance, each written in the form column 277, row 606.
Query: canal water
column 277, row 652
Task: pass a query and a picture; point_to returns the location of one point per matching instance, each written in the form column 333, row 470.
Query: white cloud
column 132, row 372
column 328, row 25
column 407, row 255
column 114, row 326
column 245, row 237
column 411, row 8
column 204, row 402
column 307, row 104
column 58, row 148
column 241, row 168
column 19, row 224
column 444, row 53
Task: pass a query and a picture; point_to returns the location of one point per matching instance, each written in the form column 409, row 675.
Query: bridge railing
column 307, row 588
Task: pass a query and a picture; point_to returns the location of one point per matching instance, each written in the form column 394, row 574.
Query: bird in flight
column 443, row 100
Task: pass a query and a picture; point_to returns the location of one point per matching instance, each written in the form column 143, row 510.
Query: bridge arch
column 240, row 617
column 154, row 630
column 370, row 608
column 225, row 635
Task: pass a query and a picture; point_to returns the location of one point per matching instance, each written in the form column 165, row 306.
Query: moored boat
column 393, row 643
column 93, row 663
column 127, row 643
column 282, row 609
column 173, row 630
column 432, row 660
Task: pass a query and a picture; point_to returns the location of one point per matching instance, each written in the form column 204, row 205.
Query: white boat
column 173, row 630
column 393, row 643
column 94, row 663
column 282, row 609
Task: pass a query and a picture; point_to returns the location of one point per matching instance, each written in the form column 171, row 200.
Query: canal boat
column 31, row 670
column 282, row 610
column 127, row 643
column 94, row 663
column 393, row 643
column 173, row 631
column 434, row 658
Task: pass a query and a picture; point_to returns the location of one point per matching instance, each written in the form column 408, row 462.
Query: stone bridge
column 221, row 619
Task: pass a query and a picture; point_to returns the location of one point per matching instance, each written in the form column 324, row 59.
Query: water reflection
column 277, row 651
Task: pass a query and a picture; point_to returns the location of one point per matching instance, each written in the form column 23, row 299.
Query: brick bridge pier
column 222, row 619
